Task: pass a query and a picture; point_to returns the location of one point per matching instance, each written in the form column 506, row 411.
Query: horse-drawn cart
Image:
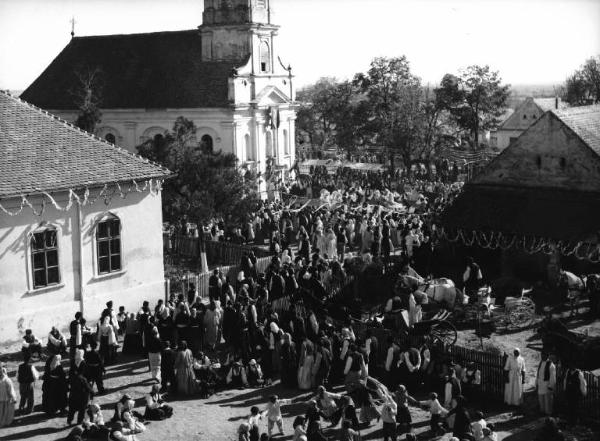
column 516, row 313
column 438, row 327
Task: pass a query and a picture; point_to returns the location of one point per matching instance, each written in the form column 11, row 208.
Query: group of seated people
column 32, row 346
column 126, row 422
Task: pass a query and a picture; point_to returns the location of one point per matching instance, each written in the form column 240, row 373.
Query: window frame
column 43, row 228
column 97, row 241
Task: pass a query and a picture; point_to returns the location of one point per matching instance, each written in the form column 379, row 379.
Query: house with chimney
column 528, row 112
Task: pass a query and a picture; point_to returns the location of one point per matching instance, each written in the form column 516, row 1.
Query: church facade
column 225, row 76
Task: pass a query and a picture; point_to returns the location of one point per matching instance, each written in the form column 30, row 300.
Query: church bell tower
column 238, row 30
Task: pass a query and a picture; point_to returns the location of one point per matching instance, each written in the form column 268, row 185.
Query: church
column 225, row 76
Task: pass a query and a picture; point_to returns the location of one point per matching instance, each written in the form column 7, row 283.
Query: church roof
column 149, row 71
column 40, row 152
column 585, row 122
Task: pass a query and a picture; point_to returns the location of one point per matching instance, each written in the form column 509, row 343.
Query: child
column 122, row 320
column 388, row 415
column 255, row 417
column 244, row 432
column 478, row 425
column 273, row 412
column 436, row 411
column 488, row 433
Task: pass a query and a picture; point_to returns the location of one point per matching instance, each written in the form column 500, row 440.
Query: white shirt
column 544, row 387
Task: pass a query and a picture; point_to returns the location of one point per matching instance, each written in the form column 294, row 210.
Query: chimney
column 556, row 103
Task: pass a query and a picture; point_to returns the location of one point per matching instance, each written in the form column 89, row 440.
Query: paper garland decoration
column 153, row 185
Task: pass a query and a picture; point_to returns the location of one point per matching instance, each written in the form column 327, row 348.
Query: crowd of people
column 273, row 325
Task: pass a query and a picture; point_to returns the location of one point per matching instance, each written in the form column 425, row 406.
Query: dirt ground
column 218, row 417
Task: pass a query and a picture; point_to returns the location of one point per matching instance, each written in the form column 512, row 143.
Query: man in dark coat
column 95, row 367
column 167, row 367
column 80, row 389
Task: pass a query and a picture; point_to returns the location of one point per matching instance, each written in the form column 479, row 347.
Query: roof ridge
column 83, row 37
column 85, row 132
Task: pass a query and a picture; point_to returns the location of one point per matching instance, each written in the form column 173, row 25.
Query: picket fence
column 183, row 282
column 217, row 253
column 589, row 409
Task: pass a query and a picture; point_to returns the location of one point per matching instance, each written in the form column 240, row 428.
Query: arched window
column 44, row 257
column 206, row 143
column 269, row 149
column 110, row 137
column 265, row 57
column 108, row 245
column 286, row 143
column 248, row 148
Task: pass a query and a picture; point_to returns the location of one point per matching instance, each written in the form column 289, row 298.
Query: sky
column 528, row 41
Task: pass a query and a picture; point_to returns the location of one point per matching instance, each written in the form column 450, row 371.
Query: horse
column 592, row 285
column 574, row 287
column 442, row 290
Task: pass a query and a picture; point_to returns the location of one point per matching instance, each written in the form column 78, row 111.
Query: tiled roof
column 142, row 71
column 585, row 122
column 39, row 152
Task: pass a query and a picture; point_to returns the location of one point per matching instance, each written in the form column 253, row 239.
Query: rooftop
column 40, row 152
column 585, row 122
column 156, row 70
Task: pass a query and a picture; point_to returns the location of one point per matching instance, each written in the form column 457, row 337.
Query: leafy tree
column 87, row 96
column 475, row 98
column 394, row 98
column 207, row 184
column 583, row 86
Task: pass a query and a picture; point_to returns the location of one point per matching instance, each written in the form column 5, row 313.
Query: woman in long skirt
column 184, row 370
column 8, row 398
column 54, row 388
column 305, row 369
column 513, row 390
column 289, row 361
column 212, row 321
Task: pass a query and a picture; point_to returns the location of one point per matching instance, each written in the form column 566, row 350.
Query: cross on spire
column 72, row 21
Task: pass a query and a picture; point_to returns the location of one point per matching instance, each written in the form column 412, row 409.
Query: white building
column 80, row 223
column 225, row 76
column 528, row 112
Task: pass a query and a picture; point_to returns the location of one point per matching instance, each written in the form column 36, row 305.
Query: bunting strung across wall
column 529, row 244
column 107, row 193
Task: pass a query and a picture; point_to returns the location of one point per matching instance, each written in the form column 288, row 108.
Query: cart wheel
column 445, row 332
column 522, row 315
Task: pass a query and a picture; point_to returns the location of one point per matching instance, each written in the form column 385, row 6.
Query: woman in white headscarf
column 515, row 368
column 8, row 398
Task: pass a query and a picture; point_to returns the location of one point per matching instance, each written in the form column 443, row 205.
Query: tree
column 87, row 96
column 475, row 98
column 207, row 185
column 325, row 113
column 583, row 86
column 393, row 96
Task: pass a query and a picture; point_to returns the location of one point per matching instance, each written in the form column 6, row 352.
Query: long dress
column 513, row 390
column 8, row 399
column 184, row 372
column 54, row 389
column 288, row 364
column 212, row 319
column 305, row 373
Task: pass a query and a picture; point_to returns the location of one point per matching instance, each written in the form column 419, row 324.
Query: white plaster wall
column 503, row 137
column 141, row 278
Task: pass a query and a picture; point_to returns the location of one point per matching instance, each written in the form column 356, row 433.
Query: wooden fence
column 589, row 409
column 217, row 253
column 181, row 283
